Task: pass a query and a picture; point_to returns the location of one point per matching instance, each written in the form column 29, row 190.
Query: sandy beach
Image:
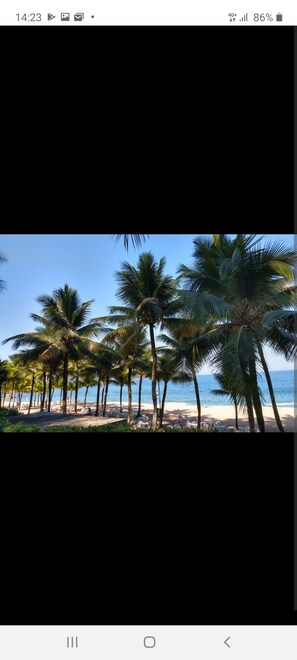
column 220, row 414
column 214, row 415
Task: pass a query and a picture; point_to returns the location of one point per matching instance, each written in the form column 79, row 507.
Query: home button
column 149, row 642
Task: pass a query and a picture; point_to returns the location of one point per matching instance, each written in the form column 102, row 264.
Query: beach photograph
column 147, row 333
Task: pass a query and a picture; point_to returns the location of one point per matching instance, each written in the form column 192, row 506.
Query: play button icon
column 50, row 17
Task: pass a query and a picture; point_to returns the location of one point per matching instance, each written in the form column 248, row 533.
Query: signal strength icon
column 244, row 18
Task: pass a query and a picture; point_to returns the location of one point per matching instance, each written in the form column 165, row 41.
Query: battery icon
column 279, row 17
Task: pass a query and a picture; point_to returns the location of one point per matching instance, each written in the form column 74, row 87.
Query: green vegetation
column 19, row 427
column 236, row 298
column 16, row 427
column 122, row 427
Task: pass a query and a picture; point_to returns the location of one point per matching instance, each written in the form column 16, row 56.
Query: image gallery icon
column 65, row 16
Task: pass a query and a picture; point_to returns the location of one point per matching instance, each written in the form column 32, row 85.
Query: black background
column 138, row 129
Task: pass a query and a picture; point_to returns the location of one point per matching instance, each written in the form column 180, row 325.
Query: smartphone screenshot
column 147, row 378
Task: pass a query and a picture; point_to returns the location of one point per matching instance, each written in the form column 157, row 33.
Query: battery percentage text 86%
column 263, row 17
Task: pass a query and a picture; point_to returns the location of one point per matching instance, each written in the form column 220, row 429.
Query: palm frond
column 136, row 239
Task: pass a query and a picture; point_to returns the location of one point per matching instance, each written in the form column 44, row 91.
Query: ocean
column 283, row 384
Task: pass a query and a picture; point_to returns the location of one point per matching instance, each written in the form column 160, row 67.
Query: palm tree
column 4, row 372
column 65, row 335
column 149, row 296
column 16, row 378
column 144, row 369
column 127, row 341
column 2, row 260
column 121, row 374
column 13, row 367
column 32, row 371
column 136, row 239
column 189, row 345
column 88, row 380
column 249, row 291
column 230, row 389
column 75, row 372
column 102, row 363
column 166, row 371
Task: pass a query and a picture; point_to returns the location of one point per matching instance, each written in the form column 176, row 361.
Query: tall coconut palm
column 16, row 379
column 13, row 367
column 128, row 342
column 4, row 372
column 63, row 319
column 121, row 376
column 75, row 372
column 249, row 290
column 32, row 372
column 88, row 380
column 144, row 369
column 229, row 388
column 149, row 296
column 2, row 260
column 189, row 345
column 102, row 363
column 166, row 371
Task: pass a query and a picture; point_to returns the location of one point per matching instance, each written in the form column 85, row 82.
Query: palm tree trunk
column 250, row 413
column 31, row 393
column 236, row 412
column 11, row 394
column 139, row 396
column 154, row 377
column 50, row 389
column 256, row 398
column 195, row 381
column 163, row 403
column 76, row 395
column 0, row 395
column 102, row 396
column 4, row 397
column 129, row 396
column 43, row 392
column 98, row 396
column 86, row 394
column 270, row 387
column 105, row 395
column 121, row 398
column 65, row 379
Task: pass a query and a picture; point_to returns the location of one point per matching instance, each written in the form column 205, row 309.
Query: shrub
column 12, row 412
column 8, row 412
column 19, row 427
column 107, row 428
column 121, row 427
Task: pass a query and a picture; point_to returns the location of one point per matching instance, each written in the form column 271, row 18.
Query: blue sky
column 41, row 263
